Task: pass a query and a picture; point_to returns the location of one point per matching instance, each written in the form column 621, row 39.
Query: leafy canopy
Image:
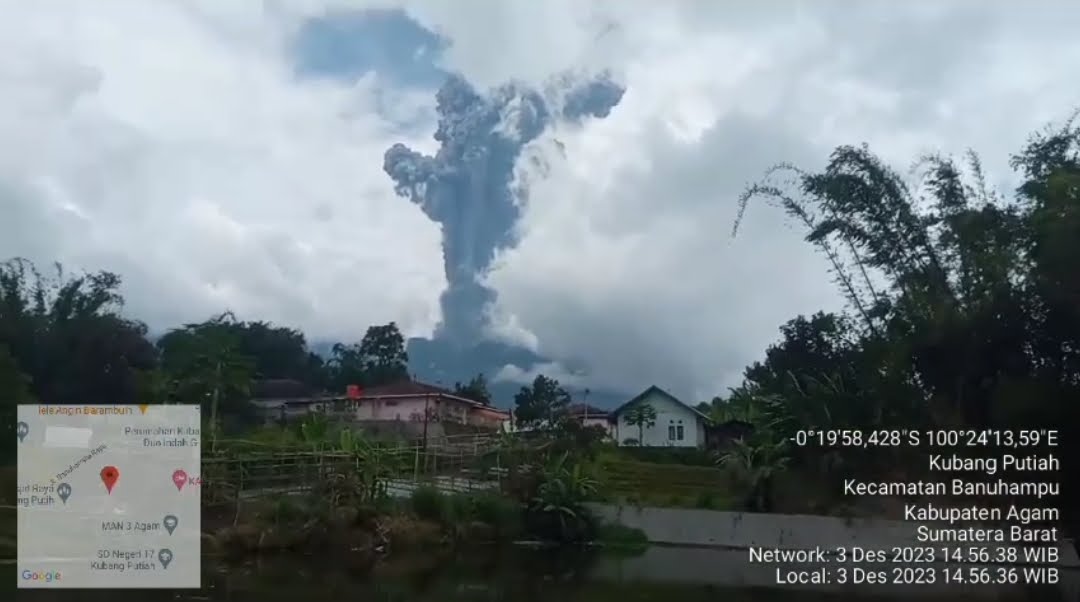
column 542, row 403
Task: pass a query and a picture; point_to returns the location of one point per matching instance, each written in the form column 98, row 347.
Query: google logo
column 47, row 577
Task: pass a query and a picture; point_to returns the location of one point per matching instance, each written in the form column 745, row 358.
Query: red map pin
column 179, row 477
column 110, row 475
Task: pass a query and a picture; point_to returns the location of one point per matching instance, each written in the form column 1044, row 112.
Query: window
column 671, row 432
column 679, row 432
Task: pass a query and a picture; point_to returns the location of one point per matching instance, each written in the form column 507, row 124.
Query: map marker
column 170, row 523
column 179, row 477
column 109, row 475
column 165, row 556
column 22, row 430
column 64, row 491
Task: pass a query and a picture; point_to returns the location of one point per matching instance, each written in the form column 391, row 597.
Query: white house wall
column 668, row 413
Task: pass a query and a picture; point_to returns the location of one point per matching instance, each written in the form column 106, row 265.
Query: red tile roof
column 406, row 387
column 417, row 389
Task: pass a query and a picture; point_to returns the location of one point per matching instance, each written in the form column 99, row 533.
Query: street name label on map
column 98, row 501
column 165, row 436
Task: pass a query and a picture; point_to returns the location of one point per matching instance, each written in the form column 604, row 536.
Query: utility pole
column 427, row 397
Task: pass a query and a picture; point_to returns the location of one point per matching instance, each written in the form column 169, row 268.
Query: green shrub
column 429, row 503
column 621, row 538
column 285, row 510
column 501, row 513
column 561, row 525
column 706, row 500
column 386, row 504
column 686, row 456
column 459, row 509
column 558, row 513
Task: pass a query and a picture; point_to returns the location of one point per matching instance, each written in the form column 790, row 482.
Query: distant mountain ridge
column 442, row 363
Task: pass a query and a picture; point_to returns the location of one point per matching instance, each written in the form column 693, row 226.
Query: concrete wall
column 490, row 418
column 405, row 408
column 679, row 526
column 411, row 409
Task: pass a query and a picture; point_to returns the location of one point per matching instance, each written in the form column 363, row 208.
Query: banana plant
column 564, row 487
column 757, row 462
column 315, row 430
column 375, row 465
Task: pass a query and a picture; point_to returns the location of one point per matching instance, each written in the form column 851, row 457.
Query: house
column 406, row 401
column 277, row 400
column 419, row 402
column 589, row 415
column 676, row 425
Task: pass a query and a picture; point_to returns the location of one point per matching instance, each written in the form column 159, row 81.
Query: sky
column 230, row 155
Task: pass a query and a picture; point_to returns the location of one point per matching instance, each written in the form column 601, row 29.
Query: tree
column 279, row 352
column 67, row 335
column 941, row 289
column 828, row 376
column 346, row 366
column 379, row 359
column 276, row 352
column 476, row 389
column 15, row 389
column 206, row 366
column 964, row 307
column 385, row 358
column 153, row 386
column 543, row 403
column 14, row 384
column 641, row 415
column 745, row 403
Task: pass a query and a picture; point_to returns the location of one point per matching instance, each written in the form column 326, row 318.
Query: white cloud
column 525, row 376
column 170, row 142
column 625, row 260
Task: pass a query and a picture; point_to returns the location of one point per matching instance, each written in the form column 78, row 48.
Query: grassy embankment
column 692, row 478
column 428, row 521
column 348, row 506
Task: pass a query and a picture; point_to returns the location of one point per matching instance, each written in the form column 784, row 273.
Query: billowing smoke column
column 466, row 185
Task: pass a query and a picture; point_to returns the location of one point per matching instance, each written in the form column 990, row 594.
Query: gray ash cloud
column 467, row 185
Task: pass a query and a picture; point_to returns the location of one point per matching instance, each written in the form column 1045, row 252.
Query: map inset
column 108, row 496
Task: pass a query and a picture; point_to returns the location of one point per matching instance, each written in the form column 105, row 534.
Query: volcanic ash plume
column 466, row 186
